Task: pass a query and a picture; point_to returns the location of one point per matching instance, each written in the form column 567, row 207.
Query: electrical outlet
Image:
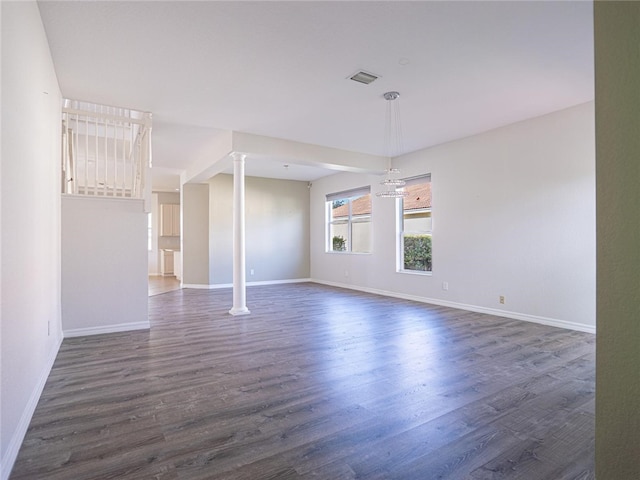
column 445, row 285
column 502, row 300
column 251, row 272
column 346, row 273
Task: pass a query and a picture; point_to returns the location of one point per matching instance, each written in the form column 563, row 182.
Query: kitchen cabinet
column 169, row 220
column 166, row 262
column 177, row 264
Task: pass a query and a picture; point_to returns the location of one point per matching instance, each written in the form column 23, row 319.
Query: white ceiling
column 280, row 69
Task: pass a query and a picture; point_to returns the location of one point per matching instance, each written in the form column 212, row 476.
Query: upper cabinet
column 169, row 220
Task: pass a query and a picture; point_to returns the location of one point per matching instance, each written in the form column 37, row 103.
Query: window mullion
column 349, row 227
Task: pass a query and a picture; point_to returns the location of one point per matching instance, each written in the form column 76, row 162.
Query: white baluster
column 105, row 184
column 86, row 154
column 95, row 182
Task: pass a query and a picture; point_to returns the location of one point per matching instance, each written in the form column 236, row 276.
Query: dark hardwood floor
column 318, row 382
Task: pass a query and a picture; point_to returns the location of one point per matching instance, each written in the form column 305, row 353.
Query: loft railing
column 106, row 150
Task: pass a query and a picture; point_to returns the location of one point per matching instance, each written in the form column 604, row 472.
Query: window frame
column 349, row 196
column 400, row 227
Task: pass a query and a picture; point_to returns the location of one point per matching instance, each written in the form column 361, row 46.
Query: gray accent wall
column 277, row 229
column 617, row 37
column 195, row 234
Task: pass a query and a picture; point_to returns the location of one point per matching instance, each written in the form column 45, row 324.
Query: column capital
column 238, row 156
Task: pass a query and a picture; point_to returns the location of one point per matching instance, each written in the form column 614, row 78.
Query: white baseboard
column 15, row 442
column 202, row 286
column 249, row 284
column 121, row 327
column 278, row 282
column 552, row 322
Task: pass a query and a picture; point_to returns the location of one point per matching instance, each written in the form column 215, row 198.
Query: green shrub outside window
column 339, row 243
column 417, row 252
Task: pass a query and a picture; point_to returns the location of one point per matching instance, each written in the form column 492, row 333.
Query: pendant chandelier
column 393, row 146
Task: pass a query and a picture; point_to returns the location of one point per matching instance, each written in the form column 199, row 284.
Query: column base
column 239, row 311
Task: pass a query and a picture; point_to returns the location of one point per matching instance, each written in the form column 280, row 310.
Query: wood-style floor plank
column 318, row 382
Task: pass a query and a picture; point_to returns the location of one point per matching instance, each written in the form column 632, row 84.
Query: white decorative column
column 239, row 275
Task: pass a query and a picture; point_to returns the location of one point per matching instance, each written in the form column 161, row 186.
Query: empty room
column 336, row 240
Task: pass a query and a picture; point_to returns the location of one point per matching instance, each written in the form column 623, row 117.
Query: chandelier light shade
column 393, row 146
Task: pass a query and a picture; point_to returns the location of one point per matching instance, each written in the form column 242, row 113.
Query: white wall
column 104, row 265
column 513, row 215
column 277, row 229
column 30, row 266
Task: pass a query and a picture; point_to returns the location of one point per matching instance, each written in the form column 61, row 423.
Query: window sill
column 415, row 272
column 347, row 253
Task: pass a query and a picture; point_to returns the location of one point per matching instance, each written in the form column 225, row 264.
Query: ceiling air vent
column 363, row 77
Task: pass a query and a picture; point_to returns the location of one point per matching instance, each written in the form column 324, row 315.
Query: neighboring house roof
column 419, row 198
column 359, row 206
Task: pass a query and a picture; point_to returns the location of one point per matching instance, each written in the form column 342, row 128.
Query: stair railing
column 106, row 150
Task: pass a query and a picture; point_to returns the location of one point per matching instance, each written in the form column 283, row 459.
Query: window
column 349, row 221
column 414, row 225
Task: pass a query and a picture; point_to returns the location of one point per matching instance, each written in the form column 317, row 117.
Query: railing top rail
column 105, row 116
